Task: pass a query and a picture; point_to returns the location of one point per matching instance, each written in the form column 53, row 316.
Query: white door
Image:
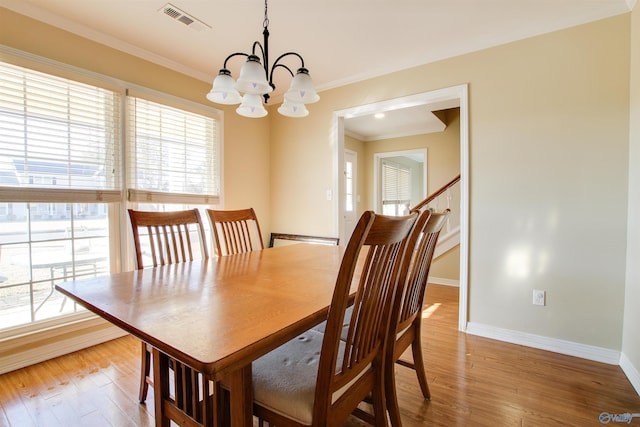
column 351, row 197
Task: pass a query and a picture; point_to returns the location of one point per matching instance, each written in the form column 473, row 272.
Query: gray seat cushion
column 345, row 324
column 284, row 380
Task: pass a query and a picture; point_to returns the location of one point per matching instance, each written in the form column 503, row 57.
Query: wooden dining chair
column 235, row 231
column 169, row 238
column 318, row 379
column 406, row 314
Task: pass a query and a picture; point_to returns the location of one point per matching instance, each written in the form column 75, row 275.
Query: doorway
column 459, row 96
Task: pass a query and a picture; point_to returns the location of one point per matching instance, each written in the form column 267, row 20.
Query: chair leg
column 145, row 370
column 380, row 402
column 391, row 395
column 418, row 365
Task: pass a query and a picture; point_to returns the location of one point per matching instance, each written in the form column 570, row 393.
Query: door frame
column 459, row 92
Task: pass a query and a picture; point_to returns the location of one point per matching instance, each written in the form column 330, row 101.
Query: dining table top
column 219, row 314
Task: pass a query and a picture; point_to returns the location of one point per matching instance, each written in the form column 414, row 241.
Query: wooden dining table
column 208, row 320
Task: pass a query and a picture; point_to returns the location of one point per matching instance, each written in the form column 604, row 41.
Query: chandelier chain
column 265, row 23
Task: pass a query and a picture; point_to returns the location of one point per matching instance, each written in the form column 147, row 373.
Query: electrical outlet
column 538, row 297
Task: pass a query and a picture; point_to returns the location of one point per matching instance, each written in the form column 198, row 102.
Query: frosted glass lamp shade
column 251, row 106
column 292, row 109
column 253, row 78
column 223, row 90
column 301, row 89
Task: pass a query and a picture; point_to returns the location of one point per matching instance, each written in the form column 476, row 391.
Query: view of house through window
column 62, row 190
column 42, row 244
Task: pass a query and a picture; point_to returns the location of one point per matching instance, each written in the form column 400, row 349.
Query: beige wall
column 630, row 342
column 446, row 266
column 548, row 147
column 246, row 149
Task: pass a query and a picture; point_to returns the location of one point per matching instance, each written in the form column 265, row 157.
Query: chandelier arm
column 231, row 56
column 274, row 68
column 276, row 65
column 287, row 54
column 253, row 48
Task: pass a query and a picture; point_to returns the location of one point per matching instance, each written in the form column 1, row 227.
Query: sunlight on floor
column 427, row 312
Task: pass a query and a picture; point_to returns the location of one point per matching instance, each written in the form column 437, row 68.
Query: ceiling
column 341, row 41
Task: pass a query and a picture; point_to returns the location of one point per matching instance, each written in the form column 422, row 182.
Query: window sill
column 35, row 346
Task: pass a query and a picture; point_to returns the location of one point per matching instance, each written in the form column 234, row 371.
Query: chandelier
column 256, row 82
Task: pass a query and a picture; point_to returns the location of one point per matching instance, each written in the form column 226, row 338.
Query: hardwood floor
column 474, row 382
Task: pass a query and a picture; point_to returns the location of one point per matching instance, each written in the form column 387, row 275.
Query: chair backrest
column 414, row 271
column 169, row 236
column 357, row 362
column 235, row 231
column 287, row 238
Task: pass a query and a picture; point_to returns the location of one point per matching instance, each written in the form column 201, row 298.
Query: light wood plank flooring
column 474, row 382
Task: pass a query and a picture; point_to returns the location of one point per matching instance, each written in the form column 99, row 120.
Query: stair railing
column 437, row 193
column 435, row 197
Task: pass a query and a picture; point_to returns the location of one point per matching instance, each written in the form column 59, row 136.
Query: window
column 349, row 184
column 396, row 188
column 61, row 181
column 173, row 162
column 172, row 158
column 58, row 145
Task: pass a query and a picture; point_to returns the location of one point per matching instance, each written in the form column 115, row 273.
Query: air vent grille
column 181, row 16
column 172, row 12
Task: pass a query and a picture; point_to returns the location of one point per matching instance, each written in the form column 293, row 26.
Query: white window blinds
column 58, row 139
column 396, row 183
column 172, row 156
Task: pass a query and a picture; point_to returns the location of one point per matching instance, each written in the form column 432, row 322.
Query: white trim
column 53, row 342
column 631, row 372
column 463, row 304
column 584, row 351
column 443, row 281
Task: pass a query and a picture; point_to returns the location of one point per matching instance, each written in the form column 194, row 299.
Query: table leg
column 160, row 386
column 241, row 397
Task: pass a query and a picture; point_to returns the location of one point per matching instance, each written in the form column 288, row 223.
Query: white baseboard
column 443, row 281
column 630, row 371
column 35, row 348
column 570, row 348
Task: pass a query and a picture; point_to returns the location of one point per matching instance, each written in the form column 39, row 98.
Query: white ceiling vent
column 181, row 16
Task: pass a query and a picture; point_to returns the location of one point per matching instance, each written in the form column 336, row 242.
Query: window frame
column 401, row 177
column 117, row 201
